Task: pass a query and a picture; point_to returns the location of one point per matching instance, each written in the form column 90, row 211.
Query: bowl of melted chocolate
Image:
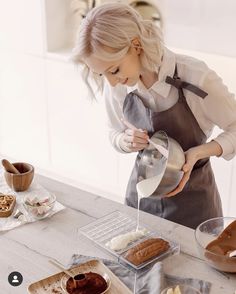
column 216, row 241
column 86, row 283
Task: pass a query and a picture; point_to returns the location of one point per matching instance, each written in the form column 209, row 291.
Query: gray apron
column 199, row 200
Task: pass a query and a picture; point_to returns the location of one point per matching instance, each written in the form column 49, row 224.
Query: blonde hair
column 115, row 25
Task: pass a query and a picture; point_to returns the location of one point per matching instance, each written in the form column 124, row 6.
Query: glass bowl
column 39, row 207
column 180, row 289
column 207, row 232
column 65, row 278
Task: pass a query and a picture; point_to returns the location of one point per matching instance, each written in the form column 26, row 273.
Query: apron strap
column 177, row 83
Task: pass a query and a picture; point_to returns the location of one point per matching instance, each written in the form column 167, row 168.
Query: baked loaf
column 7, row 204
column 146, row 250
column 87, row 283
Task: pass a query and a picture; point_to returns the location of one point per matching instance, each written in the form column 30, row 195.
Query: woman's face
column 125, row 71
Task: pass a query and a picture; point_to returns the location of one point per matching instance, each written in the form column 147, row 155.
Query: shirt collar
column 167, row 68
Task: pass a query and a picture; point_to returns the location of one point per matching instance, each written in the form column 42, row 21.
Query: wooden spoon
column 9, row 167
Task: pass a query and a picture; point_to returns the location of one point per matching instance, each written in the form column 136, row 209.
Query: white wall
column 204, row 25
column 45, row 117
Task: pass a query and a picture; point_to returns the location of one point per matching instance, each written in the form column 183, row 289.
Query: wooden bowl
column 22, row 181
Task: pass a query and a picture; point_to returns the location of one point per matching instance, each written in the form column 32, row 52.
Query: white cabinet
column 232, row 199
column 23, row 117
column 223, row 175
column 79, row 144
column 21, row 24
column 126, row 164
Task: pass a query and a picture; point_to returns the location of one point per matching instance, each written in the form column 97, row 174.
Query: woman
column 155, row 89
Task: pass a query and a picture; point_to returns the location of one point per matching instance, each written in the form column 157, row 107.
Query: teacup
column 20, row 182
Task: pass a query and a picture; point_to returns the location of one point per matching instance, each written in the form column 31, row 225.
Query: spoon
column 58, row 265
column 9, row 167
column 160, row 148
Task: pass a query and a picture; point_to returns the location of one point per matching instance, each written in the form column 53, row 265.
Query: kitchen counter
column 28, row 248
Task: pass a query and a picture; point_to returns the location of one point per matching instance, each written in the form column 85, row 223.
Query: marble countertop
column 28, row 248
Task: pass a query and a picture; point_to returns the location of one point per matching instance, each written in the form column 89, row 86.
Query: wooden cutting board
column 52, row 284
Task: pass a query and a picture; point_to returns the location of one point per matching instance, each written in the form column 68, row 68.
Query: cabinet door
column 223, row 173
column 126, row 164
column 80, row 149
column 23, row 119
column 232, row 200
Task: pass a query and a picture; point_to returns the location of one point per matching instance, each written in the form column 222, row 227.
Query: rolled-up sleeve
column 219, row 107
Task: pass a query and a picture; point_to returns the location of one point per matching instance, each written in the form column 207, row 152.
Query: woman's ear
column 137, row 45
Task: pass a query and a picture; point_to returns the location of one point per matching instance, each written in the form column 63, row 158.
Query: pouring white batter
column 122, row 241
column 146, row 188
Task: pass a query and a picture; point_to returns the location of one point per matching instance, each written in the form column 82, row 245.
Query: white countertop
column 27, row 249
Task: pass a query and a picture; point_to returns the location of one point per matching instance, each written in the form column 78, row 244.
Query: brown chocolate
column 220, row 248
column 146, row 250
column 86, row 283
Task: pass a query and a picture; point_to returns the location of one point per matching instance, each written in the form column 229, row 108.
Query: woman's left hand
column 191, row 157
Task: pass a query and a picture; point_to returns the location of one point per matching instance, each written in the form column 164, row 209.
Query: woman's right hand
column 134, row 140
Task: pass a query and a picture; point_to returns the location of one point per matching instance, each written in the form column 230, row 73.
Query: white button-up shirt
column 218, row 108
